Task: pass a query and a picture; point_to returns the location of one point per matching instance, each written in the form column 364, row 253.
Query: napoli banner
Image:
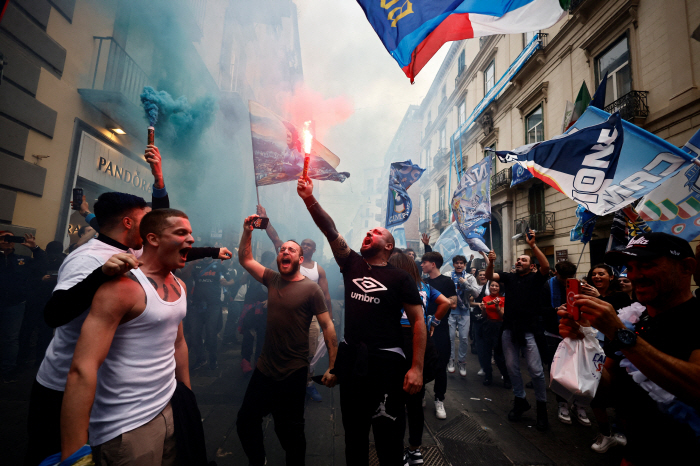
column 646, row 162
column 674, row 207
column 471, row 203
column 520, row 174
column 451, row 243
column 277, row 153
column 583, row 231
column 580, row 164
column 398, row 206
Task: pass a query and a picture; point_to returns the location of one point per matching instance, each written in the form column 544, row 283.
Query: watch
column 624, row 338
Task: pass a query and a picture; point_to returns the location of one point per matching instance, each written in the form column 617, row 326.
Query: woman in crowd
column 490, row 332
column 414, row 403
column 626, row 286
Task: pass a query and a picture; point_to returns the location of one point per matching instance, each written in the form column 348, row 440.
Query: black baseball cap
column 649, row 246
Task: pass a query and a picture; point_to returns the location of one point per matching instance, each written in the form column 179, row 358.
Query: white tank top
column 311, row 274
column 137, row 379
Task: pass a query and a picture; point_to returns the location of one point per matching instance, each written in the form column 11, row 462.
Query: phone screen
column 261, row 223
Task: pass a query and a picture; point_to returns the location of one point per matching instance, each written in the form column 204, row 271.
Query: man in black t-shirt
column 664, row 345
column 519, row 325
column 371, row 364
column 430, row 264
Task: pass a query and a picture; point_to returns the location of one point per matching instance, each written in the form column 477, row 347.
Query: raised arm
column 90, row 352
column 541, row 258
column 271, row 232
column 490, row 274
column 159, row 199
column 426, row 242
column 340, row 248
column 323, row 283
column 245, row 251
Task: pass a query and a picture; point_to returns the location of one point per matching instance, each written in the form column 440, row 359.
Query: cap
column 648, row 246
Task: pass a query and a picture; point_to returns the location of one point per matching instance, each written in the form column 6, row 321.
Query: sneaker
column 413, row 456
column 621, row 439
column 603, row 443
column 245, row 366
column 481, row 372
column 451, row 366
column 440, row 412
column 313, row 393
column 405, row 457
column 463, row 369
column 563, row 413
column 582, row 417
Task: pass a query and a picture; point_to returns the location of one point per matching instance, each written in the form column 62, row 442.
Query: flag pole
column 579, row 257
column 257, row 193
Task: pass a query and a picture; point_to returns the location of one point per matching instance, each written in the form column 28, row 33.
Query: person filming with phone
column 17, row 272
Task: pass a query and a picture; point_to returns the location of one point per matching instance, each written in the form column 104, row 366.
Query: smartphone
column 14, row 239
column 572, row 289
column 77, row 198
column 261, row 223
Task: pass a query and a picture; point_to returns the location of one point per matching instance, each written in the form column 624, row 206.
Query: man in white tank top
column 130, row 354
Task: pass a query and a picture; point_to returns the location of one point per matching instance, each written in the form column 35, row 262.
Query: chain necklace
column 370, row 267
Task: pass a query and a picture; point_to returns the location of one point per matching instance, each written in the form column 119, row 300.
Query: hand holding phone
column 77, row 198
column 13, row 239
column 261, row 223
column 572, row 289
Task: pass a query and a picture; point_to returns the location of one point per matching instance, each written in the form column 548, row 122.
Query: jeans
column 284, row 399
column 205, row 319
column 487, row 333
column 511, row 352
column 10, row 324
column 461, row 322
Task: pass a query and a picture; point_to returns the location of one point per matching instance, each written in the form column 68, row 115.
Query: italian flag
column 582, row 100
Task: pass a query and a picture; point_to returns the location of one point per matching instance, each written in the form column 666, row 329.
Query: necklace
column 370, row 267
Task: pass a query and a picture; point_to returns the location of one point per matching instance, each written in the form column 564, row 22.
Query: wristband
column 89, row 217
column 435, row 322
column 310, row 201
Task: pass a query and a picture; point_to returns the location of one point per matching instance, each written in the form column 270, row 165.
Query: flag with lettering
column 520, row 174
column 413, row 31
column 579, row 164
column 471, row 204
column 674, row 207
column 399, row 206
column 451, row 243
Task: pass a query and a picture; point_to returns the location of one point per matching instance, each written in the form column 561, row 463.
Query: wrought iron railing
column 541, row 222
column 501, row 179
column 631, row 105
column 115, row 70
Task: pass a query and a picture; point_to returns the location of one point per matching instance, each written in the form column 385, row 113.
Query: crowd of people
column 124, row 318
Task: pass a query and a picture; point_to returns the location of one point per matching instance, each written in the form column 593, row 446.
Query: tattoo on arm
column 152, row 282
column 340, row 248
column 165, row 292
column 334, row 342
column 130, row 276
column 176, row 290
column 323, row 221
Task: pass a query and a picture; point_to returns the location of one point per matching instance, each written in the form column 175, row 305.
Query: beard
column 292, row 272
column 369, row 252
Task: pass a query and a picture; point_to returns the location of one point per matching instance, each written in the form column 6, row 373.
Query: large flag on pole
column 471, row 204
column 674, row 207
column 277, row 151
column 579, row 164
column 413, row 31
column 398, row 205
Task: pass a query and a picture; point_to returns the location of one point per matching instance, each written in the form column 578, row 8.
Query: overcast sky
column 342, row 55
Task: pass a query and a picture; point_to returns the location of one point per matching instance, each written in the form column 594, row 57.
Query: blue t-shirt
column 428, row 295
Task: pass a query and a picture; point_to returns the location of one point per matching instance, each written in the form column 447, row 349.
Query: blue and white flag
column 471, row 203
column 520, row 174
column 646, row 162
column 674, row 207
column 398, row 206
column 583, row 231
column 450, row 243
column 580, row 164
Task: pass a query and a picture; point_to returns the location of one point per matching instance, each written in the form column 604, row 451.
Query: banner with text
column 471, row 204
column 398, row 206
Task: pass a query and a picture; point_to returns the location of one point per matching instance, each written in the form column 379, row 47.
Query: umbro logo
column 369, row 284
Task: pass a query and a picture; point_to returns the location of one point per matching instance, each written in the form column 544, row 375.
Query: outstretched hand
column 305, row 187
column 248, row 222
column 225, row 254
column 425, row 238
column 530, row 239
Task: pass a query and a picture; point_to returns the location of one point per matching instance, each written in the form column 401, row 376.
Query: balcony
column 501, row 180
column 541, row 222
column 631, row 106
column 117, row 83
column 445, row 217
column 441, row 158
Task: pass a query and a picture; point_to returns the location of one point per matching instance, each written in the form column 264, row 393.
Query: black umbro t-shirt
column 374, row 298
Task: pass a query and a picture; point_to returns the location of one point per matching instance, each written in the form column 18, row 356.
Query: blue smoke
column 150, row 99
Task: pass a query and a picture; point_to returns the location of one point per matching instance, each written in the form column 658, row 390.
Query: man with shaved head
column 371, row 364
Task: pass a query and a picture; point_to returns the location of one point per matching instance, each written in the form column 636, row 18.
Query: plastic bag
column 577, row 368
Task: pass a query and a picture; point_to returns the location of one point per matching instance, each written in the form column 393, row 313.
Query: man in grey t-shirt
column 278, row 384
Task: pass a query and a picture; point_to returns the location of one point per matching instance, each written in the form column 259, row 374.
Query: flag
column 412, row 31
column 568, row 112
column 598, row 99
column 583, row 231
column 520, row 174
column 471, row 203
column 579, row 164
column 582, row 100
column 646, row 162
column 626, row 225
column 451, row 243
column 277, row 153
column 674, row 207
column 398, row 205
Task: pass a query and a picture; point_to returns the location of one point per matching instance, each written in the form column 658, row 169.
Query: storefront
column 98, row 165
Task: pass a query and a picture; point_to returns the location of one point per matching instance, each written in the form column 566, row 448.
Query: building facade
column 653, row 65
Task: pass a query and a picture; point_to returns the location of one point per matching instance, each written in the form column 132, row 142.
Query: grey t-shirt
column 290, row 307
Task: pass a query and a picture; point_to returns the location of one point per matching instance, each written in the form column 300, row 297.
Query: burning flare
column 308, row 139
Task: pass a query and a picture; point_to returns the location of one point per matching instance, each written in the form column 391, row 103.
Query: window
column 461, row 63
column 441, row 198
column 616, row 61
column 443, row 138
column 462, row 112
column 528, row 36
column 536, row 201
column 489, row 77
column 426, row 208
column 534, row 125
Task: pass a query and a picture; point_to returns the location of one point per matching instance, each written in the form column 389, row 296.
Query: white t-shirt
column 77, row 266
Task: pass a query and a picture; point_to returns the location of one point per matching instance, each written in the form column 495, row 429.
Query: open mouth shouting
column 183, row 253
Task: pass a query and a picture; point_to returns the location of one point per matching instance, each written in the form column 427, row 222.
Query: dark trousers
column 205, row 327
column 234, row 312
column 284, row 399
column 415, row 417
column 441, row 339
column 488, row 335
column 376, row 400
column 257, row 322
column 43, row 424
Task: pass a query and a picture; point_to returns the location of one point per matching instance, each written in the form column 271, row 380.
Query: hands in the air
column 305, row 187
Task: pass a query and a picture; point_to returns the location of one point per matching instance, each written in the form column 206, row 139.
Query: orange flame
column 308, row 137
